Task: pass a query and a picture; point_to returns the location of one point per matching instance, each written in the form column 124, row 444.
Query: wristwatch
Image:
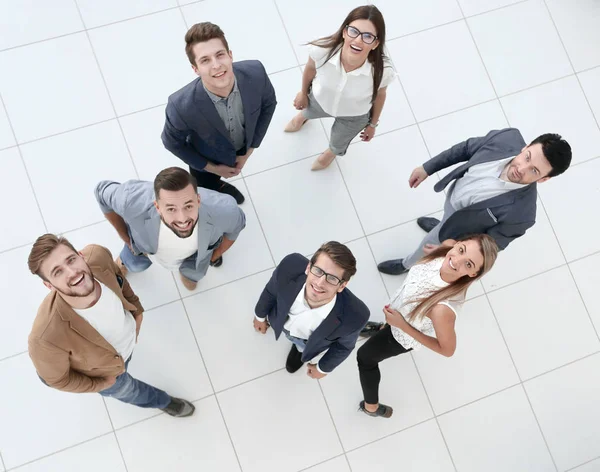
column 373, row 125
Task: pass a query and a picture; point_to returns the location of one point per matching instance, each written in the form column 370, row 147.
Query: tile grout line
column 112, row 103
column 307, row 469
column 2, row 462
column 572, row 469
column 112, row 425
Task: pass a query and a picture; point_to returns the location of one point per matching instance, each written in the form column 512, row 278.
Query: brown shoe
column 121, row 266
column 189, row 284
column 295, row 124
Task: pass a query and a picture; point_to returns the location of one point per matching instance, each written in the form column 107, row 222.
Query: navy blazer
column 195, row 132
column 504, row 217
column 338, row 332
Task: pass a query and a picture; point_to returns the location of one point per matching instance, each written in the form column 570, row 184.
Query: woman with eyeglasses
column 346, row 78
column 423, row 311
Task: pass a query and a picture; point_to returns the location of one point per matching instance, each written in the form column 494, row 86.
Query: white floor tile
column 317, row 199
column 142, row 132
column 96, row 14
column 199, row 442
column 400, row 388
column 36, row 20
column 570, row 199
column 538, row 246
column 386, row 164
column 287, row 409
column 590, row 81
column 587, row 279
column 249, row 254
column 497, row 433
column 166, row 357
column 98, row 455
column 405, row 17
column 99, row 233
column 418, row 449
column 593, row 466
column 541, row 56
column 544, row 322
column 565, row 403
column 61, row 419
column 222, row 322
column 367, row 283
column 155, row 286
column 7, row 138
column 279, row 147
column 475, row 7
column 441, row 70
column 30, row 224
column 22, row 293
column 578, row 23
column 143, row 68
column 245, row 37
column 557, row 107
column 481, row 365
column 72, row 205
column 339, row 464
column 72, row 93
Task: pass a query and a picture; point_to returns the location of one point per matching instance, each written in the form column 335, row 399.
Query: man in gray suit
column 493, row 192
column 171, row 222
column 214, row 123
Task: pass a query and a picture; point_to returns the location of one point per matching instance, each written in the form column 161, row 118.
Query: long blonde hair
column 489, row 250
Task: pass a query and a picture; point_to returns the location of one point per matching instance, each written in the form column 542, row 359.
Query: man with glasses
column 308, row 302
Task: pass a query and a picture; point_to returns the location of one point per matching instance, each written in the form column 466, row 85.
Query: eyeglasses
column 329, row 278
column 368, row 38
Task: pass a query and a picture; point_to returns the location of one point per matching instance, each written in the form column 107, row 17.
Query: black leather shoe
column 229, row 189
column 371, row 329
column 392, row 267
column 427, row 223
column 179, row 408
column 294, row 360
column 217, row 263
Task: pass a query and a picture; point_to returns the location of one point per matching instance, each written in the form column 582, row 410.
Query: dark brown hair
column 376, row 56
column 173, row 179
column 340, row 255
column 42, row 248
column 200, row 33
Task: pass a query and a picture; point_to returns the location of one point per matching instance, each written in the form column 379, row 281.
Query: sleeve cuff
column 259, row 318
column 323, row 372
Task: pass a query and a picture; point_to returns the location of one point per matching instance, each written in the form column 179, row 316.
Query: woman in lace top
column 423, row 311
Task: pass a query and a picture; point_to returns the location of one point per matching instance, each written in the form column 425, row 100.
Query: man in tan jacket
column 86, row 328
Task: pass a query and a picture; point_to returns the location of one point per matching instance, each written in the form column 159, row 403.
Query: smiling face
column 179, row 210
column 213, row 64
column 356, row 47
column 318, row 291
column 66, row 271
column 529, row 166
column 465, row 258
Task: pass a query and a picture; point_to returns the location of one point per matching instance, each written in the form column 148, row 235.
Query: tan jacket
column 68, row 353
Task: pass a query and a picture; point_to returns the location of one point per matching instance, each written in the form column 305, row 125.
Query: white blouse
column 422, row 280
column 341, row 93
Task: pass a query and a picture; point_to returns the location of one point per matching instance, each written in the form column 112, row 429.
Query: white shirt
column 341, row 93
column 173, row 250
column 422, row 280
column 110, row 319
column 302, row 319
column 481, row 182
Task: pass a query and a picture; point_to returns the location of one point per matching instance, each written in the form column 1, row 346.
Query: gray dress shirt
column 231, row 111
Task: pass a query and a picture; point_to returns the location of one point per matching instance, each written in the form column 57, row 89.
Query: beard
column 84, row 288
column 180, row 234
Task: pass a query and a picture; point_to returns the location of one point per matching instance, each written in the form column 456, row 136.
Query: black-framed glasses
column 368, row 38
column 329, row 278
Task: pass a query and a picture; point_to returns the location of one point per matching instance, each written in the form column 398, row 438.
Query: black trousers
column 378, row 348
column 208, row 179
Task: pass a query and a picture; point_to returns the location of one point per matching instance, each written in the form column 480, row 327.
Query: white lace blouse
column 421, row 281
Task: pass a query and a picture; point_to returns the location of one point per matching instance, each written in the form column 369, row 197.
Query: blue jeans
column 132, row 262
column 300, row 343
column 133, row 391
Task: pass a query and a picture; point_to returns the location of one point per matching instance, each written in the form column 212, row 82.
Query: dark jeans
column 378, row 348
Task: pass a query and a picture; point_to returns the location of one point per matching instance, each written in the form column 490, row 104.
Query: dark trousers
column 208, row 179
column 378, row 348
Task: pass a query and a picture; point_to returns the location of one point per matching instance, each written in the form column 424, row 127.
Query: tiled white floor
column 83, row 88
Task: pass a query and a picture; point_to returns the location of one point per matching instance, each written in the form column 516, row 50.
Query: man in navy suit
column 309, row 303
column 214, row 123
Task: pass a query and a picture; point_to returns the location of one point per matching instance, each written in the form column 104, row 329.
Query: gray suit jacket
column 133, row 201
column 505, row 217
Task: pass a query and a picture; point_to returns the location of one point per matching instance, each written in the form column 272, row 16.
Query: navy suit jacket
column 195, row 132
column 505, row 217
column 338, row 332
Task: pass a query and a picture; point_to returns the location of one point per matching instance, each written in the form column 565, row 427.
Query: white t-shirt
column 302, row 319
column 110, row 319
column 173, row 250
column 422, row 280
column 341, row 93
